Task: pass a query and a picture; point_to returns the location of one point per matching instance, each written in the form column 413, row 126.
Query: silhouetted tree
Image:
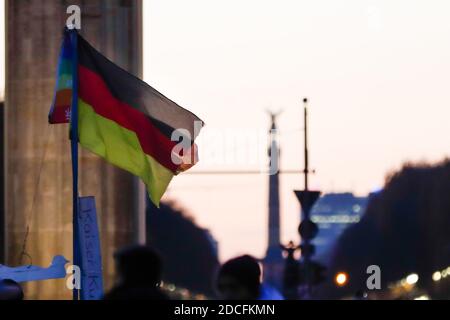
column 405, row 229
column 188, row 254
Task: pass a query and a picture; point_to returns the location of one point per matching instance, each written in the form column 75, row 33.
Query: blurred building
column 38, row 177
column 333, row 213
column 273, row 262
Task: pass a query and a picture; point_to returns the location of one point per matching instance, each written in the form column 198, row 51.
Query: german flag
column 124, row 120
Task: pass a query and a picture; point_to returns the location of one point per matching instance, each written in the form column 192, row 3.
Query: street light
column 412, row 279
column 341, row 279
column 437, row 276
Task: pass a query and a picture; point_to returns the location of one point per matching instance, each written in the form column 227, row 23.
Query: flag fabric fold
column 124, row 120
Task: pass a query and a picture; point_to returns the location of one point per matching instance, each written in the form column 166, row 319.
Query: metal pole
column 307, row 229
column 305, row 123
column 74, row 148
column 306, row 209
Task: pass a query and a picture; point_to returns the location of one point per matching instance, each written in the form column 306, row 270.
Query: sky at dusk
column 376, row 74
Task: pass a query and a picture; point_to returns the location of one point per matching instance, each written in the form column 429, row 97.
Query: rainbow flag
column 60, row 109
column 124, row 120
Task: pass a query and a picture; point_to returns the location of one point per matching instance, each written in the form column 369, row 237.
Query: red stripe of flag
column 94, row 91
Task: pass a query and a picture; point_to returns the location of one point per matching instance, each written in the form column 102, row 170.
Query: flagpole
column 74, row 149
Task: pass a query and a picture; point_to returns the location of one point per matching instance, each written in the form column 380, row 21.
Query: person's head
column 10, row 290
column 138, row 265
column 239, row 279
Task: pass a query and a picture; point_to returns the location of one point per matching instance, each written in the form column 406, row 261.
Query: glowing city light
column 412, row 279
column 437, row 276
column 341, row 279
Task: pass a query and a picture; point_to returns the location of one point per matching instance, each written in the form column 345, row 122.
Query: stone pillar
column 273, row 261
column 38, row 165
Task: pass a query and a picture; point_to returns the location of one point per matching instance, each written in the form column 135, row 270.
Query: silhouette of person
column 10, row 290
column 139, row 271
column 239, row 279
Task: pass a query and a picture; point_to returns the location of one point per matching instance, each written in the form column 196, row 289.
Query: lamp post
column 291, row 276
column 308, row 272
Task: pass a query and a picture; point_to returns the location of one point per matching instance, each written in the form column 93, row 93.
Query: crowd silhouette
column 139, row 273
column 404, row 230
